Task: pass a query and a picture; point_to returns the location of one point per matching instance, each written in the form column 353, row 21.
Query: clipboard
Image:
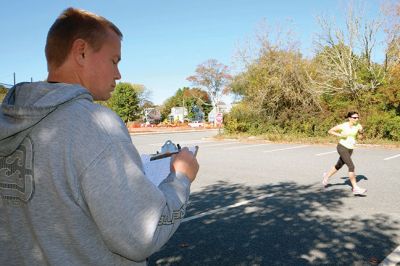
column 169, row 149
column 157, row 166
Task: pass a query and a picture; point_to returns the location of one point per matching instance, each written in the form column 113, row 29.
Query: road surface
column 263, row 204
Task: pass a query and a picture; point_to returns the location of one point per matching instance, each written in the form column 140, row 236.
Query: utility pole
column 183, row 108
column 14, row 78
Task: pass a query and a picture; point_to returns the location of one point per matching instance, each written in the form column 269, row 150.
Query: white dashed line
column 196, row 141
column 392, row 259
column 218, row 144
column 325, row 153
column 392, row 157
column 183, row 142
column 244, row 147
column 289, row 148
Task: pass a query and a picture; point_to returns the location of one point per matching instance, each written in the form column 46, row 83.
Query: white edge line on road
column 325, row 153
column 169, row 132
column 218, row 144
column 289, row 148
column 392, row 259
column 194, row 142
column 392, row 157
column 240, row 203
column 245, row 146
column 183, row 142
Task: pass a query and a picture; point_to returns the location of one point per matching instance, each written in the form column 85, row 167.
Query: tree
column 392, row 31
column 197, row 100
column 344, row 56
column 189, row 98
column 3, row 92
column 390, row 93
column 274, row 79
column 214, row 77
column 125, row 101
column 276, row 83
column 173, row 101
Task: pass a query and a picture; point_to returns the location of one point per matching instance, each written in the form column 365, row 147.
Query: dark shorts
column 345, row 158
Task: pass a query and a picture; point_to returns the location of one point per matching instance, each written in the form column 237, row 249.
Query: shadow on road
column 346, row 181
column 286, row 228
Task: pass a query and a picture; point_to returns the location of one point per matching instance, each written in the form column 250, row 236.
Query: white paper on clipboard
column 158, row 170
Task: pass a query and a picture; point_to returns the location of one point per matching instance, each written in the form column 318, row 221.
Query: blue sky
column 164, row 40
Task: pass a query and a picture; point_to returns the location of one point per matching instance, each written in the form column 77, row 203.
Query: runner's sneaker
column 359, row 191
column 324, row 180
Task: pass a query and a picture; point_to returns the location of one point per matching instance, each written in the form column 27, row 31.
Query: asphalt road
column 263, row 204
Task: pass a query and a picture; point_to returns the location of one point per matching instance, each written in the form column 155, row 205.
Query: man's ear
column 78, row 50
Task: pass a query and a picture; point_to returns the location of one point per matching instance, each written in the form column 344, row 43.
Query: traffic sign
column 219, row 118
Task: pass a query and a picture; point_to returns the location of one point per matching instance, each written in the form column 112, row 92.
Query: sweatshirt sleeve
column 134, row 217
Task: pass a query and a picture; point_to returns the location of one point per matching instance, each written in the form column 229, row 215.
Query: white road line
column 392, row 157
column 183, row 142
column 196, row 141
column 240, row 203
column 325, row 153
column 392, row 259
column 218, row 144
column 244, row 147
column 289, row 148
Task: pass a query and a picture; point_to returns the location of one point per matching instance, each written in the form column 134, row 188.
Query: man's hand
column 186, row 163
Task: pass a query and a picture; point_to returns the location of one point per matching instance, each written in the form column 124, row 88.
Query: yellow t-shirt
column 350, row 133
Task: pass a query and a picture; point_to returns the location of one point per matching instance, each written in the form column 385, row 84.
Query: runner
column 347, row 132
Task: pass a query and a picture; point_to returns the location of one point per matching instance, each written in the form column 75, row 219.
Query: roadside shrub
column 378, row 123
column 239, row 119
column 383, row 125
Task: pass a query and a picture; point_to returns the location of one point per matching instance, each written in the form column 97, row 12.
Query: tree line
column 281, row 92
column 129, row 101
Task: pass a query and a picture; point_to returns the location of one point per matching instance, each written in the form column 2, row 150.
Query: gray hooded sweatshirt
column 72, row 187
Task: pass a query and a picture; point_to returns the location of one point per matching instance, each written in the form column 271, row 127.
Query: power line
column 5, row 85
column 6, row 75
column 10, row 85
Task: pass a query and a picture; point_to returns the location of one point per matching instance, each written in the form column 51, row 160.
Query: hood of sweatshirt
column 26, row 104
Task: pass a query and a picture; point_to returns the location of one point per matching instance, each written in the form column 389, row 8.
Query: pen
column 169, row 154
column 163, row 155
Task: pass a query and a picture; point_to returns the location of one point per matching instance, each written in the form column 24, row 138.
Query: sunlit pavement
column 263, row 204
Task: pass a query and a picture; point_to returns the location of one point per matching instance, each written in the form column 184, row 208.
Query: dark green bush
column 377, row 124
column 383, row 125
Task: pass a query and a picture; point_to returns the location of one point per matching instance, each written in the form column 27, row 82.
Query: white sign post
column 219, row 118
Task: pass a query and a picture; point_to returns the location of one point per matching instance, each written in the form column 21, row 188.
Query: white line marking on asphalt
column 244, row 147
column 392, row 157
column 240, row 203
column 289, row 148
column 325, row 153
column 195, row 141
column 218, row 144
column 183, row 142
column 392, row 259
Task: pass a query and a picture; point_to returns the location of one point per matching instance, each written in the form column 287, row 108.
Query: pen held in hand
column 169, row 154
column 163, row 155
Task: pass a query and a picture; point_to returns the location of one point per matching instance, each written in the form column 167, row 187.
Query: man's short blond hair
column 75, row 24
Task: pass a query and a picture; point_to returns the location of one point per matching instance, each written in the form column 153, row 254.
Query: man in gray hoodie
column 72, row 186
